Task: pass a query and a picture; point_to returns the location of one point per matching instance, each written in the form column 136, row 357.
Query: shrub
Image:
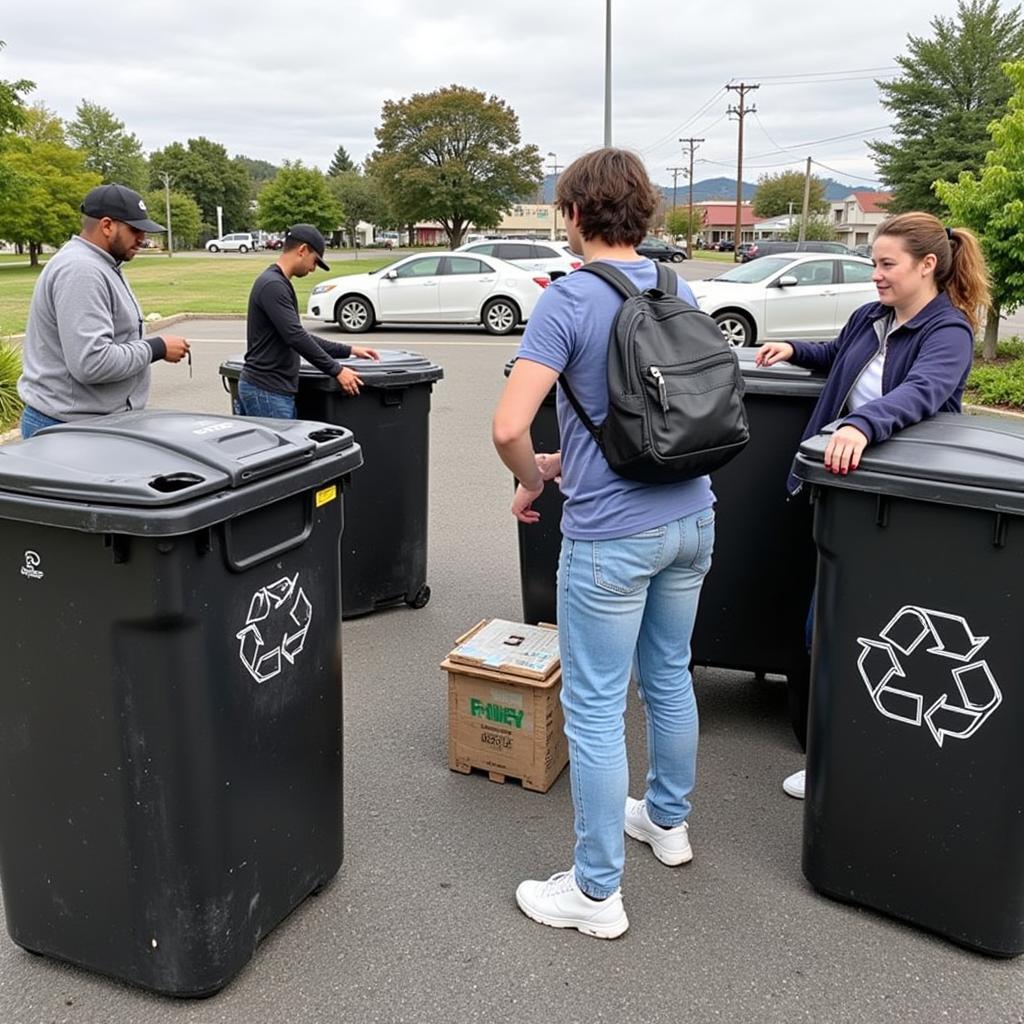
column 10, row 371
column 997, row 384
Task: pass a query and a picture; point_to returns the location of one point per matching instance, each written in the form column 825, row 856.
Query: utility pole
column 675, row 171
column 692, row 143
column 608, row 73
column 807, row 203
column 554, row 169
column 167, row 179
column 741, row 111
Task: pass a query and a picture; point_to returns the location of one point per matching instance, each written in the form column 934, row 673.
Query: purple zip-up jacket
column 927, row 361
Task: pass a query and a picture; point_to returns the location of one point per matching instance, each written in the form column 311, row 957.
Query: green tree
column 360, row 199
column 112, row 152
column 776, row 192
column 819, row 229
column 683, row 220
column 260, row 171
column 341, row 163
column 454, row 156
column 202, row 170
column 298, row 195
column 950, row 88
column 12, row 101
column 186, row 217
column 991, row 203
column 49, row 179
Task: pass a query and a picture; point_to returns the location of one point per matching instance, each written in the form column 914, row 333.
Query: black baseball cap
column 312, row 237
column 119, row 203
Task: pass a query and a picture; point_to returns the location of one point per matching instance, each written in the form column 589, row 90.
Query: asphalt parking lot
column 420, row 925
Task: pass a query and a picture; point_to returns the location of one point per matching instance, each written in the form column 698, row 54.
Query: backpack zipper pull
column 662, row 390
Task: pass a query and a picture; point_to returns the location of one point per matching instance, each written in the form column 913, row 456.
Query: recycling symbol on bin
column 275, row 629
column 971, row 692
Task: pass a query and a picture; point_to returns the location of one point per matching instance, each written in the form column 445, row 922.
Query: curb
column 986, row 410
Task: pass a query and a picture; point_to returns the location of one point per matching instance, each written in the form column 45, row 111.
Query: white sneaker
column 670, row 845
column 558, row 902
column 795, row 784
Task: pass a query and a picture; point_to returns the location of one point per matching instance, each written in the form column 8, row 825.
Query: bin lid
column 781, row 379
column 973, row 461
column 397, row 368
column 129, row 472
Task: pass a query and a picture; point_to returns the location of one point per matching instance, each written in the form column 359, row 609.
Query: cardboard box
column 504, row 711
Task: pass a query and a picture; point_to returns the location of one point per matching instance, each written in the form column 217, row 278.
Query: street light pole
column 167, row 179
column 608, row 73
column 555, row 168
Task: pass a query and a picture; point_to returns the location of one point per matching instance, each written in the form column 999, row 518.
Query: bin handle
column 287, row 544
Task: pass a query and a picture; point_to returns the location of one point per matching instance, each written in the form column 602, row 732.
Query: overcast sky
column 283, row 81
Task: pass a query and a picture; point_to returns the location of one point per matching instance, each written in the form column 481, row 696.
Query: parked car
column 447, row 287
column 240, row 241
column 656, row 249
column 553, row 258
column 770, row 247
column 862, row 250
column 724, row 245
column 787, row 297
column 273, row 242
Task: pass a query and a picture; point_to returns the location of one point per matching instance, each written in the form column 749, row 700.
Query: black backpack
column 675, row 391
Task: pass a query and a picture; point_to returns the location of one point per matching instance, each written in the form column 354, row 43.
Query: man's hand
column 844, row 449
column 772, row 352
column 176, row 348
column 349, row 381
column 522, row 503
column 550, row 466
column 362, row 352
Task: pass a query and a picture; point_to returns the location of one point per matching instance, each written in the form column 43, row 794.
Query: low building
column 856, row 217
column 720, row 221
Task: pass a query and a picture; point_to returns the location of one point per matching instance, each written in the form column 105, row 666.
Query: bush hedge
column 10, row 371
column 1000, row 382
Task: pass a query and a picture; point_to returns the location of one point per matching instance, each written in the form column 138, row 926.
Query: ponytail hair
column 960, row 269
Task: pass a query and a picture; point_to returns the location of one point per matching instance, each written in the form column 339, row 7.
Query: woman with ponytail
column 903, row 358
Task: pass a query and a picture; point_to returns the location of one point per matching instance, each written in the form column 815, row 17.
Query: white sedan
column 439, row 288
column 791, row 297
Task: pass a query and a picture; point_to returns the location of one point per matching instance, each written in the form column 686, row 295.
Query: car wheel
column 213, row 248
column 736, row 328
column 354, row 315
column 243, row 248
column 678, row 257
column 499, row 316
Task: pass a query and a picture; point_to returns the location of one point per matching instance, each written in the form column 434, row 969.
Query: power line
column 845, row 174
column 818, row 74
column 693, row 117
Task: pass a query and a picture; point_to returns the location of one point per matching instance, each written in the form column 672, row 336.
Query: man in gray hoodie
column 84, row 352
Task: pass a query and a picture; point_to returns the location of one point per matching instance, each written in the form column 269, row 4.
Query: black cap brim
column 145, row 225
column 320, row 263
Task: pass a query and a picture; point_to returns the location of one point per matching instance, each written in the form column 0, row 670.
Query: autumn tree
column 950, row 88
column 991, row 204
column 454, row 156
column 784, row 193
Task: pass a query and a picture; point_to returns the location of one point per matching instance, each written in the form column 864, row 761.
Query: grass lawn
column 711, row 254
column 183, row 284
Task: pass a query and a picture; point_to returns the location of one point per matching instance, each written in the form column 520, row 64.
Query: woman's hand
column 845, row 449
column 550, row 466
column 772, row 352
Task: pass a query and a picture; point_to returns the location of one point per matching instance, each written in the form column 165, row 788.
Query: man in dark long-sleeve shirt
column 276, row 339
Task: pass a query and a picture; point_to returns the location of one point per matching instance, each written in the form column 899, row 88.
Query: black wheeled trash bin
column 753, row 606
column 170, row 706
column 384, row 549
column 914, row 755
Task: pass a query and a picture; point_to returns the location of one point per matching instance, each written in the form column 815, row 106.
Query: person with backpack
column 634, row 555
column 901, row 359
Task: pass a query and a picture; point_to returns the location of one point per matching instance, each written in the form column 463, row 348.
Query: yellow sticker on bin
column 326, row 494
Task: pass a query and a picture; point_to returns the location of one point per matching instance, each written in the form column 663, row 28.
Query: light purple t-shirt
column 569, row 332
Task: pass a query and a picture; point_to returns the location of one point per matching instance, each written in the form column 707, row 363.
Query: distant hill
column 725, row 189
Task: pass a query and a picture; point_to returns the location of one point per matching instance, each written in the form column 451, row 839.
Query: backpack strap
column 668, row 280
column 613, row 276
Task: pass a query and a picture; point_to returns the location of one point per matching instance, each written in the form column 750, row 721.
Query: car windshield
column 755, row 270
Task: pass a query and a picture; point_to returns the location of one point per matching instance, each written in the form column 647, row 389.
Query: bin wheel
column 420, row 598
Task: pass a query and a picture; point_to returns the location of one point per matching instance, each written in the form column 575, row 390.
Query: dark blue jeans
column 254, row 401
column 32, row 421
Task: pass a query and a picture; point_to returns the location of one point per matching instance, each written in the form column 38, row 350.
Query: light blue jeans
column 629, row 604
column 32, row 421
